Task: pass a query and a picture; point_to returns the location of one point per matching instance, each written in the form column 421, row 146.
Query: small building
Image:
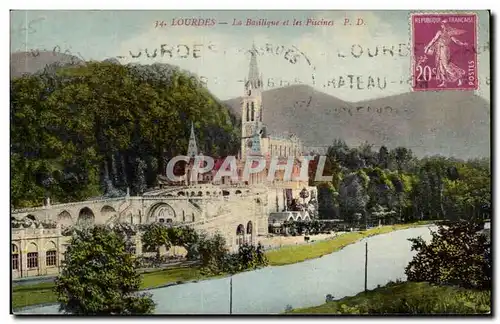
column 278, row 221
column 37, row 251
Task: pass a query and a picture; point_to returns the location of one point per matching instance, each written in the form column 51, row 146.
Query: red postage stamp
column 444, row 51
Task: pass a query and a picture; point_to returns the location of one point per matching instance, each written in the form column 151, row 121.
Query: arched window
column 51, row 258
column 51, row 255
column 249, row 228
column 32, row 256
column 248, row 112
column 15, row 257
column 65, row 218
column 86, row 217
column 240, row 234
column 253, row 112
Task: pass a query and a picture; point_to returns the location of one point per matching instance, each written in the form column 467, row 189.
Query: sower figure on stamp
column 446, row 70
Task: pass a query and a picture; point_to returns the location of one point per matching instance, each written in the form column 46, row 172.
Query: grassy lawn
column 175, row 275
column 299, row 253
column 26, row 295
column 408, row 298
column 41, row 293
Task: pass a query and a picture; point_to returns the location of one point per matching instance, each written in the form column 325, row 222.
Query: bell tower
column 251, row 109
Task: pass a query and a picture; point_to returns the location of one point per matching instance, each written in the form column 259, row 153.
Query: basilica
column 257, row 143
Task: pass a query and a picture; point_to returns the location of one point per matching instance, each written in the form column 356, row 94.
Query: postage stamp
column 444, row 51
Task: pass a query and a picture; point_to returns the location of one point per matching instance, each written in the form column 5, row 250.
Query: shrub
column 457, row 254
column 251, row 257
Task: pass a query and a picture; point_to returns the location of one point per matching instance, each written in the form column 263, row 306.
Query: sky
column 356, row 47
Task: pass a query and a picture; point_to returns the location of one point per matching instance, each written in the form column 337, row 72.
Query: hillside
column 448, row 123
column 99, row 128
column 31, row 62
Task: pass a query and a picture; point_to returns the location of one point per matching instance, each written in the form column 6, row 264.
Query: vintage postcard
column 250, row 162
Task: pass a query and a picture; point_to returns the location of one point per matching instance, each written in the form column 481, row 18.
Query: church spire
column 192, row 148
column 253, row 72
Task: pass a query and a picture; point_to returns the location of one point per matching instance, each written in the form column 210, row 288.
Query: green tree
column 140, row 184
column 402, row 157
column 383, row 157
column 327, row 200
column 368, row 155
column 213, row 253
column 355, row 160
column 458, row 254
column 186, row 237
column 154, row 236
column 99, row 276
column 353, row 196
column 468, row 196
column 380, row 188
column 338, row 152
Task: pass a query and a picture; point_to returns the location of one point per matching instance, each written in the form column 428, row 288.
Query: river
column 270, row 290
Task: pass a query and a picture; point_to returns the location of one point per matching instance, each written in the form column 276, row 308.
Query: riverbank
column 42, row 293
column 279, row 241
column 293, row 254
column 415, row 298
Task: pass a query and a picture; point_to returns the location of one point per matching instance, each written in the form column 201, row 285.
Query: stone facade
column 239, row 213
column 36, row 251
